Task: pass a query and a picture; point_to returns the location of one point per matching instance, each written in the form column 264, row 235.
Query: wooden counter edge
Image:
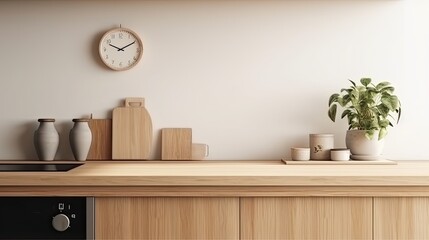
column 199, row 191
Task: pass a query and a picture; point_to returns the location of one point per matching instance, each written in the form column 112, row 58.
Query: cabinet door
column 306, row 218
column 401, row 218
column 166, row 218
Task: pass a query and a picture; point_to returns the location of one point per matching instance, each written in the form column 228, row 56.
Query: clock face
column 121, row 49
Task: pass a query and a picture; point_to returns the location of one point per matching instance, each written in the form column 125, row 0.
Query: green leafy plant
column 367, row 106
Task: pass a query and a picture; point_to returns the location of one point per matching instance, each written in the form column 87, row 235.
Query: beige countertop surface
column 222, row 173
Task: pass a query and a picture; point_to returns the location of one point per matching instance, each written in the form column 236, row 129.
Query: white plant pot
column 363, row 148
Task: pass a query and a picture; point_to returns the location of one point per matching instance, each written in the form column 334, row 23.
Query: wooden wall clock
column 121, row 49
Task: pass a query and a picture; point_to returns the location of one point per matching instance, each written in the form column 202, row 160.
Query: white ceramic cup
column 340, row 154
column 199, row 151
column 300, row 154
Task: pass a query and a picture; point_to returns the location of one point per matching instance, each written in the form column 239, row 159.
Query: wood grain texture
column 176, row 144
column 225, row 173
column 401, row 218
column 101, row 145
column 306, row 218
column 215, row 191
column 167, row 218
column 131, row 133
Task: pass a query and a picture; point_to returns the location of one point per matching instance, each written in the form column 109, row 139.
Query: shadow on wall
column 25, row 140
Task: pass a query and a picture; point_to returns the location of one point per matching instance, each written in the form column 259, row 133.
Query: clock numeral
column 138, row 50
column 129, row 62
column 135, row 58
column 113, row 61
column 107, row 56
column 120, row 64
column 108, row 41
column 104, row 49
column 121, row 35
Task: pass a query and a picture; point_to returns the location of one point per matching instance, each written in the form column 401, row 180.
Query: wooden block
column 176, row 144
column 101, row 145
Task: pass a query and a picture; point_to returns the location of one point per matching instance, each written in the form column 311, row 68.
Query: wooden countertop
column 223, row 173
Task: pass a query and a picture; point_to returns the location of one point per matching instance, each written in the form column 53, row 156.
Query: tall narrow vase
column 46, row 139
column 80, row 139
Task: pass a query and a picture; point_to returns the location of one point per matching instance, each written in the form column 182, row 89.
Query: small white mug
column 340, row 154
column 300, row 154
column 199, row 151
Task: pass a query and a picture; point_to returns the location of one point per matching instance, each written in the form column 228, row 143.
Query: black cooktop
column 10, row 167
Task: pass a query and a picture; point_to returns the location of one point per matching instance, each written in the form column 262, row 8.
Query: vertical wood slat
column 401, row 218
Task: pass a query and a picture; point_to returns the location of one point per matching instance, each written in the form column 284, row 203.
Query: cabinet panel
column 401, row 218
column 306, row 218
column 167, row 218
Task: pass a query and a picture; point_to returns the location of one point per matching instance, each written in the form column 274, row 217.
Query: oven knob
column 61, row 222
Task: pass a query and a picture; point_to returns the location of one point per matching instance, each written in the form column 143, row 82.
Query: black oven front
column 46, row 218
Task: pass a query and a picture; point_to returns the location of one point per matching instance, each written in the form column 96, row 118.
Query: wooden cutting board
column 131, row 131
column 176, row 144
column 101, row 145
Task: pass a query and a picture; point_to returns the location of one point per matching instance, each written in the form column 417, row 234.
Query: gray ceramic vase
column 80, row 139
column 46, row 139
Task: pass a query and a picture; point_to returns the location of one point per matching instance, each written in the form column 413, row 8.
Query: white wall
column 252, row 78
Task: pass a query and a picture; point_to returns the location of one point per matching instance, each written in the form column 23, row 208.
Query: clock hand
column 122, row 49
column 119, row 49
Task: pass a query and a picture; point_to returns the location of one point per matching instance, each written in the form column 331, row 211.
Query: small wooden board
column 330, row 162
column 176, row 144
column 101, row 145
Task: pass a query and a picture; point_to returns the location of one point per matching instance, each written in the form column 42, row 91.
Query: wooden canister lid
column 80, row 119
column 46, row 119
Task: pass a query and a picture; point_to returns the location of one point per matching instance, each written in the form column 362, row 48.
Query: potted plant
column 370, row 109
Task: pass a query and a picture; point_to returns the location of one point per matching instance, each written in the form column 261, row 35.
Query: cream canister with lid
column 320, row 146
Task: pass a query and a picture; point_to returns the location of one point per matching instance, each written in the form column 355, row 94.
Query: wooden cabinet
column 401, row 218
column 262, row 218
column 306, row 218
column 166, row 218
